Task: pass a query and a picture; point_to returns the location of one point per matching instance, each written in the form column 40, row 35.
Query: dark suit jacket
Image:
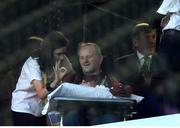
column 127, row 70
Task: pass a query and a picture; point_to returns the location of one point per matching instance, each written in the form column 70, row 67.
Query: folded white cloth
column 82, row 91
column 72, row 90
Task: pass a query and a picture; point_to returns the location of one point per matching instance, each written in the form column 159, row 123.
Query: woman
column 37, row 72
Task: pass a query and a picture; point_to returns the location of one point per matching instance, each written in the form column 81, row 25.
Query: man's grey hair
column 87, row 44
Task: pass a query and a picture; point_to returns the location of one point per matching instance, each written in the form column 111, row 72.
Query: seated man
column 142, row 70
column 91, row 59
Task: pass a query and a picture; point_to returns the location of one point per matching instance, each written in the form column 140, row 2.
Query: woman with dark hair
column 40, row 69
column 53, row 54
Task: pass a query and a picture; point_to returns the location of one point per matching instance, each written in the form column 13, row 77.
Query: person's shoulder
column 32, row 61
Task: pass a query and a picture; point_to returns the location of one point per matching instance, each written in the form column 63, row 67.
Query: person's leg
column 41, row 121
column 25, row 119
column 169, row 50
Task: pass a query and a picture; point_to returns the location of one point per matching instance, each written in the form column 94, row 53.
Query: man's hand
column 165, row 20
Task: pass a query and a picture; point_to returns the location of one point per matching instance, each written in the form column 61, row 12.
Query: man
column 142, row 68
column 169, row 49
column 93, row 72
column 129, row 68
column 91, row 60
column 170, row 39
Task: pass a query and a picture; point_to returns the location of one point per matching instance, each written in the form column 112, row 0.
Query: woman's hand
column 40, row 88
column 59, row 73
column 62, row 72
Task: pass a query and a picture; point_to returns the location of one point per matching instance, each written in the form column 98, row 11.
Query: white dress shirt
column 172, row 6
column 141, row 59
column 24, row 97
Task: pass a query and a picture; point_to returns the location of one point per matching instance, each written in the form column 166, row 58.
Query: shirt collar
column 141, row 56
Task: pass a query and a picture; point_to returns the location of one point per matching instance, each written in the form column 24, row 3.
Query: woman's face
column 59, row 53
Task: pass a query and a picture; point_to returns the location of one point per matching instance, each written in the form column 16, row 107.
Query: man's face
column 59, row 54
column 146, row 42
column 90, row 62
column 154, row 39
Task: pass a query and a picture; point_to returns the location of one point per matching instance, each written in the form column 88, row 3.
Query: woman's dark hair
column 52, row 41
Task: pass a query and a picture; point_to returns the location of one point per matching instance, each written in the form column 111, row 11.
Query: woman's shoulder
column 31, row 61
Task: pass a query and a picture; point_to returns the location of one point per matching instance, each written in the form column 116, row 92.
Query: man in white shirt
column 170, row 39
column 169, row 48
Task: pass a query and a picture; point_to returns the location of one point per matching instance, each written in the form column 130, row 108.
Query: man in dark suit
column 141, row 69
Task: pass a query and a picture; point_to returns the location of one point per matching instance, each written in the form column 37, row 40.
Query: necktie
column 145, row 66
column 145, row 70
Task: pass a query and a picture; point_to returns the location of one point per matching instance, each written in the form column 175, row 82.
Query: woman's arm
column 40, row 88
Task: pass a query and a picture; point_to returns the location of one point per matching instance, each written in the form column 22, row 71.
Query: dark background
column 105, row 22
